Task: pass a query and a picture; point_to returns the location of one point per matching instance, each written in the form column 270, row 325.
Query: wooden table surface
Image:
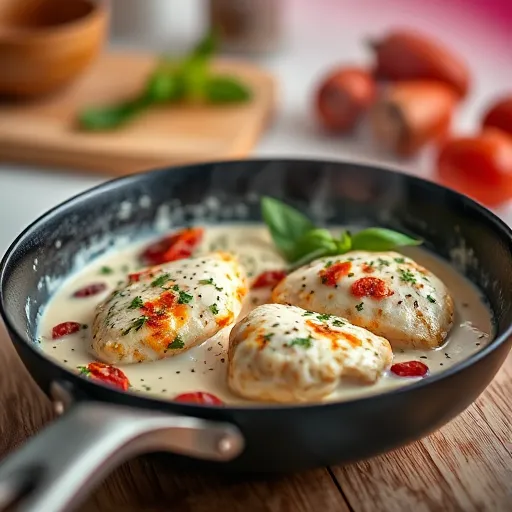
column 465, row 466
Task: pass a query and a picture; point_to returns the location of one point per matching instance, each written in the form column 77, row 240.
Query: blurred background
column 92, row 90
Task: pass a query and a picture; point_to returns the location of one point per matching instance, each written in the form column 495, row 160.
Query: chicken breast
column 287, row 354
column 165, row 310
column 386, row 293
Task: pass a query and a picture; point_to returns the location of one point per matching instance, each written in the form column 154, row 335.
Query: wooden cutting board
column 44, row 132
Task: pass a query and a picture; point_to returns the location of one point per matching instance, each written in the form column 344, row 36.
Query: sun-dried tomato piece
column 107, row 374
column 332, row 274
column 410, row 369
column 199, row 397
column 269, row 279
column 370, row 287
column 90, row 289
column 65, row 328
column 174, row 247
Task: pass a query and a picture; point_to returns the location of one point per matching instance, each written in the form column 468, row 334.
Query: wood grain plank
column 465, row 466
column 187, row 492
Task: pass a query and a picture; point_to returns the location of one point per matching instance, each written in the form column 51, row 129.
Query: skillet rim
column 113, row 395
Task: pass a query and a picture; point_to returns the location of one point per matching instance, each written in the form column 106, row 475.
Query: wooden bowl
column 46, row 44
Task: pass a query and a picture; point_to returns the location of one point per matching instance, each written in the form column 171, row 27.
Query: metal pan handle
column 55, row 470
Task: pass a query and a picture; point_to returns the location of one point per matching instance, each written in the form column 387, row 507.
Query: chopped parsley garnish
column 275, row 325
column 161, row 280
column 328, row 264
column 214, row 309
column 350, row 274
column 136, row 303
column 106, row 270
column 210, row 281
column 400, row 260
column 383, row 263
column 176, row 343
column 308, row 313
column 267, row 337
column 84, row 370
column 407, row 276
column 360, row 306
column 184, row 297
column 137, row 324
column 85, row 326
column 302, row 342
column 431, row 299
column 323, row 317
column 338, row 323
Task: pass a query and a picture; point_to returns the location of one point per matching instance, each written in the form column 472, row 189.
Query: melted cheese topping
column 287, row 354
column 204, row 367
column 385, row 292
column 165, row 310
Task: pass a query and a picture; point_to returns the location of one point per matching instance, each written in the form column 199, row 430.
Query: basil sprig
column 186, row 79
column 300, row 241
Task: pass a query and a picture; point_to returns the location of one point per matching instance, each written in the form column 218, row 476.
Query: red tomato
column 410, row 369
column 107, row 374
column 499, row 116
column 177, row 246
column 480, row 167
column 64, row 329
column 198, row 397
column 91, row 289
column 343, row 97
column 268, row 279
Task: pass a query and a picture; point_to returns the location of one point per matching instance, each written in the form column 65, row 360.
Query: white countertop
column 26, row 192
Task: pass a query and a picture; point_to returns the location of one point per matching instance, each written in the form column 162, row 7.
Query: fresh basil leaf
column 195, row 78
column 314, row 240
column 206, row 47
column 344, row 244
column 226, row 89
column 286, row 225
column 164, row 86
column 381, row 239
column 111, row 117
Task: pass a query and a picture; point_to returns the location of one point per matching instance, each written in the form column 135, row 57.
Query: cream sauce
column 204, row 368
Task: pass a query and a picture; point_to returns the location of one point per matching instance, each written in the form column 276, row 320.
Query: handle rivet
column 58, row 407
column 225, row 445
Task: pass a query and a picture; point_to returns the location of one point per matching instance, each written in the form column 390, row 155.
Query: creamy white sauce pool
column 204, row 368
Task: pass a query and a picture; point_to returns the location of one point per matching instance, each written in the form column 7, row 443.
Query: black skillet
column 102, row 426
